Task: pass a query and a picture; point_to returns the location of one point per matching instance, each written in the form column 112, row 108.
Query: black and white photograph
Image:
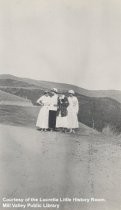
column 60, row 104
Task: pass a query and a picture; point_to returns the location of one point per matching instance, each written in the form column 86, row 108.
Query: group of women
column 58, row 111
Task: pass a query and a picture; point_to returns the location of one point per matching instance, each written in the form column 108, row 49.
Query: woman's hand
column 40, row 103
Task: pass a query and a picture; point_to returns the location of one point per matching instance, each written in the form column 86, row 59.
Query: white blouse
column 54, row 102
column 45, row 100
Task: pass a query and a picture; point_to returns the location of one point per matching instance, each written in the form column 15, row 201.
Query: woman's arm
column 77, row 106
column 39, row 101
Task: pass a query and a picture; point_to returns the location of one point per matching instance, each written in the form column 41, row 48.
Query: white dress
column 61, row 122
column 73, row 109
column 43, row 116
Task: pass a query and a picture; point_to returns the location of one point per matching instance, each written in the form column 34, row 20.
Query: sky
column 69, row 41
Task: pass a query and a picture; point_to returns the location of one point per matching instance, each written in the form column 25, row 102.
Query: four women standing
column 58, row 111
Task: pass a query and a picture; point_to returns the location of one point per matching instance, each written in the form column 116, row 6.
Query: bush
column 110, row 131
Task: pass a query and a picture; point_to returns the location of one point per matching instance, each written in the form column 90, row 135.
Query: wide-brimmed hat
column 71, row 92
column 55, row 90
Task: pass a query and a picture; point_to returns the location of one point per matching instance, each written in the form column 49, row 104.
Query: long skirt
column 61, row 122
column 52, row 119
column 43, row 118
column 72, row 118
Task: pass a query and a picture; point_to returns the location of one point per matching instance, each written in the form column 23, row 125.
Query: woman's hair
column 46, row 92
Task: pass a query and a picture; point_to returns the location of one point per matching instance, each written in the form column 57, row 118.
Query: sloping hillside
column 94, row 112
column 18, row 115
column 27, row 117
column 4, row 96
column 100, row 112
column 37, row 83
column 26, row 82
column 7, row 98
column 30, row 93
column 14, row 83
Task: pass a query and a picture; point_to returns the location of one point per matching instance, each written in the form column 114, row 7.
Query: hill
column 14, row 83
column 99, row 113
column 28, row 83
column 27, row 117
column 6, row 98
column 18, row 115
column 95, row 112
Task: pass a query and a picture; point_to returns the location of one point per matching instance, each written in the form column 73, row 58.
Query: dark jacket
column 62, row 106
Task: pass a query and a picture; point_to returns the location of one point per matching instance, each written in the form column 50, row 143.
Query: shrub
column 110, row 131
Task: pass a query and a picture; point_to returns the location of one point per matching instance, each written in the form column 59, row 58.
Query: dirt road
column 57, row 165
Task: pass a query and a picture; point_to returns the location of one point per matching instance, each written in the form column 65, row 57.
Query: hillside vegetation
column 95, row 112
column 28, row 83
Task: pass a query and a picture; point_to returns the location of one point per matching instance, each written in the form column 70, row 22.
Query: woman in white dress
column 43, row 116
column 73, row 110
column 62, row 120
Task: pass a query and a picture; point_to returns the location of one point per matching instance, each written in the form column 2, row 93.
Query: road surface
column 57, row 165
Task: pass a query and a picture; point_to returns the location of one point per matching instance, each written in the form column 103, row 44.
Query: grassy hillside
column 39, row 84
column 27, row 117
column 14, row 83
column 94, row 112
column 26, row 82
column 30, row 93
column 4, row 96
column 99, row 113
column 18, row 115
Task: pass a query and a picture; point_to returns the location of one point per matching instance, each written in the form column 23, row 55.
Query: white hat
column 54, row 90
column 71, row 91
column 46, row 91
